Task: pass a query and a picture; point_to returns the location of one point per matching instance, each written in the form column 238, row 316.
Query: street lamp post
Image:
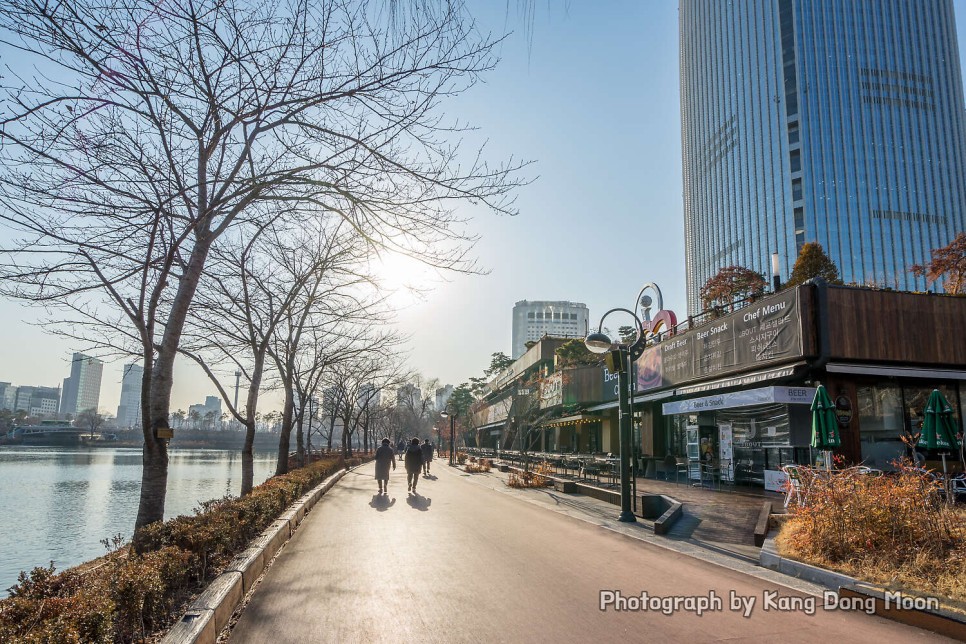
column 621, row 360
column 452, row 434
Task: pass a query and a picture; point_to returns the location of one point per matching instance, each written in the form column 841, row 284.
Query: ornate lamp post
column 452, row 434
column 620, row 360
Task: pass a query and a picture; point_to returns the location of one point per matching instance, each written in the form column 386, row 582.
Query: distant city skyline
column 595, row 101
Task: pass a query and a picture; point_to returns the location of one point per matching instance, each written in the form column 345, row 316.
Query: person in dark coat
column 427, row 449
column 385, row 456
column 414, row 463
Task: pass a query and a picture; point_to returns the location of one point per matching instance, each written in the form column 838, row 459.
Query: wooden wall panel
column 885, row 326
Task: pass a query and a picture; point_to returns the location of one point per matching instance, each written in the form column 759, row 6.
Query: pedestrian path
column 718, row 541
column 470, row 560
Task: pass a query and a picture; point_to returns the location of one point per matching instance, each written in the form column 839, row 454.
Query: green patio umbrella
column 825, row 425
column 938, row 427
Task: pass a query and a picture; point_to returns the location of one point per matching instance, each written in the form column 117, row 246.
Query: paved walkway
column 722, row 518
column 469, row 560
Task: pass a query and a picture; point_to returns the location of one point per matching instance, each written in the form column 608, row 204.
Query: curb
column 936, row 620
column 211, row 611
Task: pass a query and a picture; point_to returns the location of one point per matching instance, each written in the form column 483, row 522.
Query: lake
column 58, row 503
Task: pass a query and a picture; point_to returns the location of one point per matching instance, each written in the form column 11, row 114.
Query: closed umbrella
column 938, row 427
column 825, row 426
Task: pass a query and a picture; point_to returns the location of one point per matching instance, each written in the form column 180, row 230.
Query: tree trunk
column 299, row 442
column 331, row 431
column 284, row 435
column 159, row 379
column 248, row 458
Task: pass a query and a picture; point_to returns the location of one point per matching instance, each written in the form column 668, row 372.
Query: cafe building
column 737, row 389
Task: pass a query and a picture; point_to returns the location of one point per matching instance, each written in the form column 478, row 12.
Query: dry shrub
column 460, row 457
column 128, row 597
column 475, row 467
column 539, row 477
column 892, row 529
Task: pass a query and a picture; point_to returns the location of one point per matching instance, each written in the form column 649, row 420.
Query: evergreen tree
column 813, row 262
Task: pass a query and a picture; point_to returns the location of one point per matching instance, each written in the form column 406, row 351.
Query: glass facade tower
column 834, row 121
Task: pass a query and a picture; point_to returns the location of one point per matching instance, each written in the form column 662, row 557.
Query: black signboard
column 762, row 333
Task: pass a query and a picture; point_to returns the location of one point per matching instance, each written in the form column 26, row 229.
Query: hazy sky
column 594, row 101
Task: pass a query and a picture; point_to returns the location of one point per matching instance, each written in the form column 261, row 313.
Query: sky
column 592, row 98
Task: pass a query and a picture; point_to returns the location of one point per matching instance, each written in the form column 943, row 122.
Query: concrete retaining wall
column 209, row 613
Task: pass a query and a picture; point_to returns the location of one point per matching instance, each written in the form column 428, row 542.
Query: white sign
column 775, row 480
column 747, row 398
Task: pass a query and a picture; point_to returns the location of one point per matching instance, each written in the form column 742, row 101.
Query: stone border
column 211, row 611
column 670, row 509
column 938, row 621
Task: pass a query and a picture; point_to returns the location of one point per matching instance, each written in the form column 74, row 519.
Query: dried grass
column 895, row 530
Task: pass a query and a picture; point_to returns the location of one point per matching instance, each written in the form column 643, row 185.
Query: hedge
column 126, row 597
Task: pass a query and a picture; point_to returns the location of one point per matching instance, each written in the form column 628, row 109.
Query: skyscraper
column 82, row 389
column 533, row 320
column 129, row 408
column 832, row 121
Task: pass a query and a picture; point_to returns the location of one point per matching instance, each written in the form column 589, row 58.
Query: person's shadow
column 382, row 502
column 431, row 477
column 418, row 502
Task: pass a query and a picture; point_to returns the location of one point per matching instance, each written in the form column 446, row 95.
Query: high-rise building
column 8, row 396
column 409, row 395
column 129, row 408
column 824, row 121
column 442, row 397
column 209, row 413
column 368, row 396
column 37, row 401
column 533, row 320
column 82, row 389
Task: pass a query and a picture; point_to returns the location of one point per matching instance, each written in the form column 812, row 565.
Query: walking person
column 414, row 463
column 427, row 449
column 385, row 456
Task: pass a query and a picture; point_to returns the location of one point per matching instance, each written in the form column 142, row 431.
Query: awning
column 896, row 372
column 577, row 419
column 638, row 398
column 497, row 425
column 743, row 380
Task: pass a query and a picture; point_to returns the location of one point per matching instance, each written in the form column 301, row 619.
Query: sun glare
column 406, row 279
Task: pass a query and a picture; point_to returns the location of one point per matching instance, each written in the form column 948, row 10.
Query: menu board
column 766, row 331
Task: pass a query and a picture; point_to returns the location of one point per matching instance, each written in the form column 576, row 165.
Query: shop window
column 915, row 399
column 881, row 425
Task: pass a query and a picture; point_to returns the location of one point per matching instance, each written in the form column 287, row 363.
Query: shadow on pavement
column 418, row 502
column 382, row 502
column 431, row 477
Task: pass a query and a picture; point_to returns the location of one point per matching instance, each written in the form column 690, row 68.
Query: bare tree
column 248, row 294
column 360, row 381
column 134, row 134
column 90, row 419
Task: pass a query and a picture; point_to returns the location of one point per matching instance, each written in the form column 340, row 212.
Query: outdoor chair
column 712, row 473
column 573, row 464
column 592, row 469
column 957, row 488
column 609, row 472
column 682, row 468
column 795, row 487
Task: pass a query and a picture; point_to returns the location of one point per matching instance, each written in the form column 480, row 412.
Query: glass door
column 693, row 452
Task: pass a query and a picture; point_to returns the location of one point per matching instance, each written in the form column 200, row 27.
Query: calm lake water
column 57, row 503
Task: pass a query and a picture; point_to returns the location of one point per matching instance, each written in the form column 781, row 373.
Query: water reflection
column 58, row 503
